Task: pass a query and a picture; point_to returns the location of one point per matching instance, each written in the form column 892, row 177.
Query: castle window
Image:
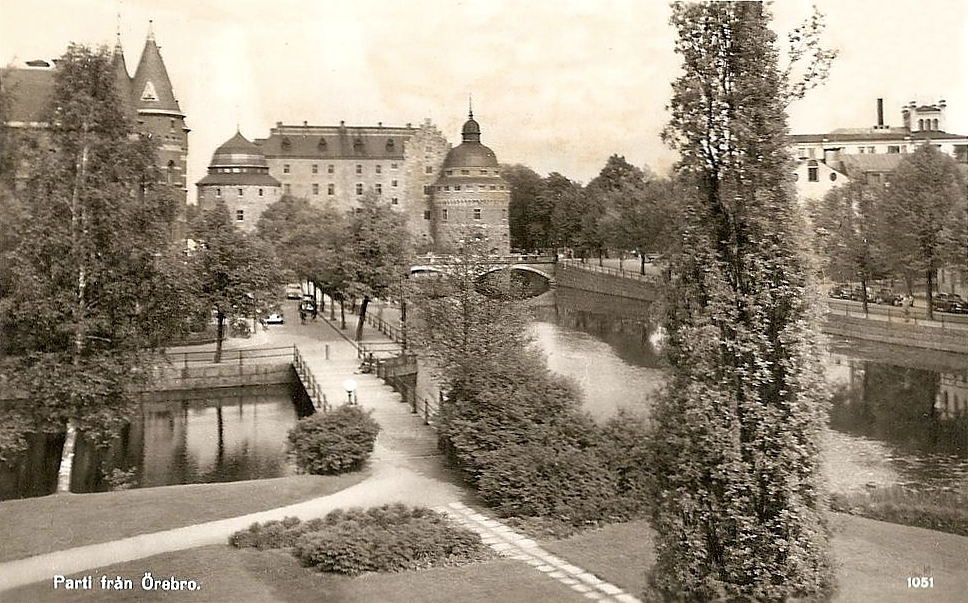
column 379, row 169
column 321, row 145
column 359, row 168
column 330, row 189
column 390, row 145
column 393, row 166
column 260, row 192
column 447, row 188
column 456, row 187
column 477, row 213
column 443, row 215
column 813, row 174
column 862, row 150
column 171, row 125
column 483, row 172
column 871, row 150
column 426, row 214
column 393, row 183
column 285, row 168
column 465, row 172
column 358, row 145
column 171, row 172
column 359, row 188
column 286, row 145
column 429, row 169
column 240, row 215
column 315, row 188
column 450, row 172
column 493, row 187
column 379, row 188
column 240, row 192
column 920, row 124
column 394, row 201
column 218, row 192
column 286, row 189
column 329, row 169
column 833, row 176
column 428, row 190
column 893, row 149
column 315, row 168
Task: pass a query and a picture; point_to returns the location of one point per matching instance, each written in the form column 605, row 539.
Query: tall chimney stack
column 880, row 113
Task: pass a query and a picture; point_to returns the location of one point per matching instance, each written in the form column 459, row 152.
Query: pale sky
column 558, row 85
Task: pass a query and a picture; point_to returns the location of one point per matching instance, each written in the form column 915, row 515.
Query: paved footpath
column 406, row 467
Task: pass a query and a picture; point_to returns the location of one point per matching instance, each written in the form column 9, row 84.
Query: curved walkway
column 405, row 468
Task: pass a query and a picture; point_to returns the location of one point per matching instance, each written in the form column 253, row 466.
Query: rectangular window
column 465, row 172
column 426, row 214
column 443, row 215
column 315, row 168
column 428, row 189
column 240, row 215
column 379, row 188
column 285, row 168
column 811, row 153
column 483, row 172
column 393, row 183
column 240, row 192
column 394, row 201
column 260, row 192
column 329, row 169
column 330, row 189
column 871, row 150
column 393, row 166
column 893, row 149
column 450, row 172
column 477, row 213
column 813, row 174
column 315, row 188
column 218, row 192
column 861, row 150
column 379, row 169
column 359, row 168
column 429, row 169
column 359, row 188
column 456, row 187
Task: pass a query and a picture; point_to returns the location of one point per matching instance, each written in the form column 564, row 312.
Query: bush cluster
column 379, row 539
column 519, row 433
column 334, row 442
column 944, row 512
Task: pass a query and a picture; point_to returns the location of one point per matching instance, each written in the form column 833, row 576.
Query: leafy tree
column 529, row 213
column 738, row 505
column 844, row 233
column 380, row 249
column 568, row 208
column 923, row 202
column 238, row 274
column 89, row 278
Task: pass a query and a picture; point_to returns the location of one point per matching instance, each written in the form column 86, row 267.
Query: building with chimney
column 147, row 97
column 869, row 154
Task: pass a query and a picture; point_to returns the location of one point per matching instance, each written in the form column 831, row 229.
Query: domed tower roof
column 238, row 151
column 470, row 152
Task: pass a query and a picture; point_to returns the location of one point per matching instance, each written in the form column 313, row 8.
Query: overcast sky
column 558, row 85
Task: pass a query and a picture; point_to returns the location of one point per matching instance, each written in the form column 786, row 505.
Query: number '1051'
column 920, row 582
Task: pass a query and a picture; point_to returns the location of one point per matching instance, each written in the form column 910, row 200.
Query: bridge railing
column 652, row 279
column 240, row 356
column 434, row 260
column 312, row 387
column 392, row 331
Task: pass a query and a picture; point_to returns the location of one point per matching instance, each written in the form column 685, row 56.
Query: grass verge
column 941, row 511
column 36, row 526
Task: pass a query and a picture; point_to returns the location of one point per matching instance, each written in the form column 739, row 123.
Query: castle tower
column 471, row 195
column 239, row 176
column 159, row 115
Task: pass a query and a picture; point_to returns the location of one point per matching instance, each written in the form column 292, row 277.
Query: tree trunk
column 642, row 264
column 219, row 334
column 621, row 261
column 863, row 292
column 930, row 292
column 332, row 306
column 403, row 323
column 359, row 323
column 67, row 460
column 342, row 314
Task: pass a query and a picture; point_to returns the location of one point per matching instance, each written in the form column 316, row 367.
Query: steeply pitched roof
column 336, row 143
column 30, row 91
column 854, row 165
column 151, row 89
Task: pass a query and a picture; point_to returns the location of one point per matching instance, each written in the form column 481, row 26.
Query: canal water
column 898, row 417
column 202, row 436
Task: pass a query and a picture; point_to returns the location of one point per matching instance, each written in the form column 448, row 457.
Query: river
column 898, row 416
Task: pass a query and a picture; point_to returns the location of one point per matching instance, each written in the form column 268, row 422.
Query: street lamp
column 350, row 386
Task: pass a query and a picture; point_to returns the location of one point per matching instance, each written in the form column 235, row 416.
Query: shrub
column 623, row 446
column 333, row 442
column 941, row 511
column 387, row 538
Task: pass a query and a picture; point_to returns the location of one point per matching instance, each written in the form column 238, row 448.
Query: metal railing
column 308, row 380
column 652, row 279
column 524, row 258
column 237, row 356
column 393, row 332
column 895, row 314
column 377, row 349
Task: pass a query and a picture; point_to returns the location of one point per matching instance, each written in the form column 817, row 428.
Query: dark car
column 887, row 296
column 857, row 294
column 840, row 292
column 949, row 302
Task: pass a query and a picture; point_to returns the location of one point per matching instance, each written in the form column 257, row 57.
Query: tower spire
column 470, row 106
column 117, row 41
column 151, row 30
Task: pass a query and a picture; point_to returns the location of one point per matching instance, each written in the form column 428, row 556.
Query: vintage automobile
column 949, row 302
column 276, row 318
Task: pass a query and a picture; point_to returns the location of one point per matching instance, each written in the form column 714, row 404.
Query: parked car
column 276, row 318
column 840, row 292
column 294, row 291
column 949, row 302
column 857, row 294
column 887, row 296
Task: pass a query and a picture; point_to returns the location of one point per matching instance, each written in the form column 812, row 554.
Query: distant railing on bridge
column 892, row 314
column 308, row 380
column 393, row 332
column 443, row 260
column 652, row 279
column 238, row 356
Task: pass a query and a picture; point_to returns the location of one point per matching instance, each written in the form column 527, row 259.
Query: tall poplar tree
column 737, row 502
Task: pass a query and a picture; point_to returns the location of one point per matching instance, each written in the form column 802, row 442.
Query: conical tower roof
column 122, row 81
column 151, row 89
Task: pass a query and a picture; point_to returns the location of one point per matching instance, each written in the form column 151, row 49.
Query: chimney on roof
column 880, row 113
column 278, row 124
column 305, row 123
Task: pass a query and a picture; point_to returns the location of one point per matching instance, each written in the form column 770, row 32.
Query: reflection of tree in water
column 628, row 337
column 896, row 404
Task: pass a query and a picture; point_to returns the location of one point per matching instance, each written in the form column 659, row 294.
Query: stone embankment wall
column 222, row 375
column 898, row 333
column 600, row 282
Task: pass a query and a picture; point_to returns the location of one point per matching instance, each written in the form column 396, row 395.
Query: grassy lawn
column 52, row 523
column 231, row 575
column 873, row 559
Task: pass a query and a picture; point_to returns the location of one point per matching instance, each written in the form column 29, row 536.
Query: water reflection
column 890, row 423
column 204, row 440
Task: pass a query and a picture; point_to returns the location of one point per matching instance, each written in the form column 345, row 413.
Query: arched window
column 935, row 125
column 171, row 171
column 920, row 124
column 390, row 145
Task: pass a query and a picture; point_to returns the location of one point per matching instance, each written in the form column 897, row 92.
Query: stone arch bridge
column 543, row 266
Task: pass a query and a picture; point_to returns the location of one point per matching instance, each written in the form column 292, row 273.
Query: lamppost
column 350, row 386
